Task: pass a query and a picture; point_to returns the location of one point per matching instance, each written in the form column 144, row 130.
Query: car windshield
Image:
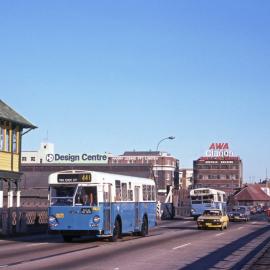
column 212, row 213
column 62, row 195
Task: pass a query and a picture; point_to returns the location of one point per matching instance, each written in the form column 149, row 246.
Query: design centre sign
column 219, row 150
column 76, row 158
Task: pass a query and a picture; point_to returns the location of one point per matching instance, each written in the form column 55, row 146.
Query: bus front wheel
column 67, row 238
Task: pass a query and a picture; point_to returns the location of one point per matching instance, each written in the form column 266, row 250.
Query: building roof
column 251, row 192
column 8, row 114
column 141, row 153
column 146, row 153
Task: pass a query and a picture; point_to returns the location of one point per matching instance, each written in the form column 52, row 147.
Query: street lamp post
column 167, row 138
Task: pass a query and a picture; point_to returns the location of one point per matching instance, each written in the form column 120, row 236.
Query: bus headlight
column 192, row 210
column 53, row 222
column 96, row 219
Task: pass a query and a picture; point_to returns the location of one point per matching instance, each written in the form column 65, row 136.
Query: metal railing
column 23, row 220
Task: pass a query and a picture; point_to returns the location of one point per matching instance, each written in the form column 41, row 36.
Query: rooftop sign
column 219, row 150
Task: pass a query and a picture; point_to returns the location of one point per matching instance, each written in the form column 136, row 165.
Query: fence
column 23, row 220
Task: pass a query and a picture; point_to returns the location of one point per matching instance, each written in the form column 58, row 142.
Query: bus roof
column 100, row 177
column 200, row 191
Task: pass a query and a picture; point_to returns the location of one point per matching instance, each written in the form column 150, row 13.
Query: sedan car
column 240, row 213
column 213, row 218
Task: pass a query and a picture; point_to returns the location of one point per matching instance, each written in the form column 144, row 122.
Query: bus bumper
column 97, row 233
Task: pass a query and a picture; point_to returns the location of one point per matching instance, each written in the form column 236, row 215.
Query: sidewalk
column 262, row 262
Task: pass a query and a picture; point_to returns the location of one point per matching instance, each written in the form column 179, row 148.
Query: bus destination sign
column 74, row 178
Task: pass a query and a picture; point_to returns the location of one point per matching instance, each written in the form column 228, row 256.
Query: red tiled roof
column 252, row 192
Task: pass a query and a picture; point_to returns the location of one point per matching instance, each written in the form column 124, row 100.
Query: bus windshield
column 62, row 195
column 86, row 195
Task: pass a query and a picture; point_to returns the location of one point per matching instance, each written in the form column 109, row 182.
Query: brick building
column 165, row 167
column 219, row 169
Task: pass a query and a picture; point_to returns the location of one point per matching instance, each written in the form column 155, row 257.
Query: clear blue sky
column 120, row 75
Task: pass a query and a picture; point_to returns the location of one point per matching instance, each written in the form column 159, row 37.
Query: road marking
column 186, row 221
column 240, row 228
column 184, row 245
column 220, row 234
column 2, row 266
column 254, row 222
column 37, row 244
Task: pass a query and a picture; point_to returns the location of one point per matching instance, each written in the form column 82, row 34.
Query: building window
column 1, row 139
column 24, row 159
column 7, row 141
column 33, row 159
column 14, row 141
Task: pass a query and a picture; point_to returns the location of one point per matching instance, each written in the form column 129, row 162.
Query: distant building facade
column 218, row 169
column 186, row 178
column 251, row 195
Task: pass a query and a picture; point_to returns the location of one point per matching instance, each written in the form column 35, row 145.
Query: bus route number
column 86, row 177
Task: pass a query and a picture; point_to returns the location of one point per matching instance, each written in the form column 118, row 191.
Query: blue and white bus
column 206, row 198
column 100, row 204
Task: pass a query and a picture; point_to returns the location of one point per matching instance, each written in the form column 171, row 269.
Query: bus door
column 107, row 208
column 137, row 207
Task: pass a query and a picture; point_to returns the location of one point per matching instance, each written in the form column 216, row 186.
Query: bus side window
column 124, row 191
column 153, row 193
column 144, row 193
column 117, row 190
column 130, row 195
column 148, row 192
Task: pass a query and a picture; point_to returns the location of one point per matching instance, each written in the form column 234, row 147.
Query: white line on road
column 2, row 266
column 240, row 228
column 254, row 222
column 220, row 234
column 184, row 245
column 186, row 221
column 37, row 244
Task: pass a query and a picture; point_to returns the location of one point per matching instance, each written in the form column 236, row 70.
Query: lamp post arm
column 160, row 142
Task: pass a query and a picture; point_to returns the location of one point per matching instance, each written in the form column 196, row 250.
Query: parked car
column 253, row 210
column 213, row 218
column 240, row 213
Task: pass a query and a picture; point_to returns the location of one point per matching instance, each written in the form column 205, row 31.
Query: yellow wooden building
column 12, row 127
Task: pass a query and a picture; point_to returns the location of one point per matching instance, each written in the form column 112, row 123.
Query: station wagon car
column 213, row 218
column 240, row 213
